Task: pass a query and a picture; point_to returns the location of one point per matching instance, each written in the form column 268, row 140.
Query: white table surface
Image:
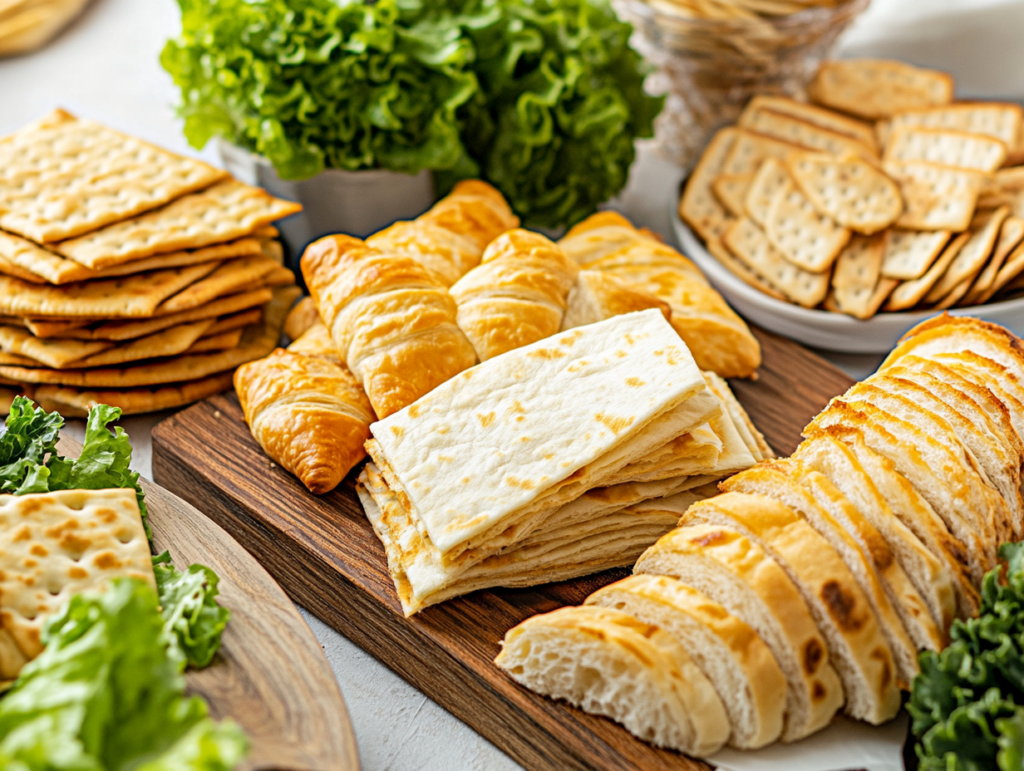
column 106, row 67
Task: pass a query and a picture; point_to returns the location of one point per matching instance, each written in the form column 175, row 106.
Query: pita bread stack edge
column 129, row 275
column 529, row 468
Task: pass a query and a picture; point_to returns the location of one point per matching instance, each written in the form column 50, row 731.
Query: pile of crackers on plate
column 129, row 275
column 883, row 194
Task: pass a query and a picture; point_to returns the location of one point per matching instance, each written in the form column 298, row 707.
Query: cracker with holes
column 752, row 247
column 909, row 253
column 971, row 258
column 739, row 269
column 750, row 150
column 805, row 134
column 948, row 148
column 910, row 293
column 1011, row 235
column 878, row 88
column 935, row 197
column 826, row 119
column 731, row 190
column 804, row 236
column 858, row 288
column 999, row 120
column 699, row 207
column 769, row 179
column 850, row 191
column 55, row 545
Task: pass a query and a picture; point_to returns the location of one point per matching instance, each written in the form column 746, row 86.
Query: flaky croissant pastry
column 516, row 296
column 391, row 321
column 598, row 296
column 718, row 339
column 309, row 415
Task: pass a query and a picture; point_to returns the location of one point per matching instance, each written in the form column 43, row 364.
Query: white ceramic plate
column 821, row 329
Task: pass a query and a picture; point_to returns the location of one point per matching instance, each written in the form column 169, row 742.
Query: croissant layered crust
column 516, row 296
column 392, row 322
column 307, row 413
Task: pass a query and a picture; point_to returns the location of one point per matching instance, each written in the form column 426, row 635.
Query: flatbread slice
column 169, row 342
column 56, row 545
column 229, row 278
column 224, row 212
column 64, row 177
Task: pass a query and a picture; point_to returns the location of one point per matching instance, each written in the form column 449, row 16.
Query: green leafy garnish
column 966, row 704
column 107, row 694
column 193, row 621
column 29, row 436
column 542, row 98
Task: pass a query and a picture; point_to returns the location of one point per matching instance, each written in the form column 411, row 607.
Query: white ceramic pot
column 355, row 202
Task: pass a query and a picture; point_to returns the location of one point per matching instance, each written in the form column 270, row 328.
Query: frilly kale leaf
column 193, row 621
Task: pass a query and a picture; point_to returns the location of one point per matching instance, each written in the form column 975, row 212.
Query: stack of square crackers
column 882, row 195
column 129, row 275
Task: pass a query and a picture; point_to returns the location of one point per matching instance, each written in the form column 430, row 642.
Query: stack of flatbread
column 883, row 195
column 814, row 581
column 129, row 275
column 535, row 465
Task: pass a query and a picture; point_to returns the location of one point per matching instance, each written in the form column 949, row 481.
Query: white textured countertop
column 105, row 67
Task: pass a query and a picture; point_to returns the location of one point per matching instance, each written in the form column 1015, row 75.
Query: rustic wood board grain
column 326, row 556
column 270, row 675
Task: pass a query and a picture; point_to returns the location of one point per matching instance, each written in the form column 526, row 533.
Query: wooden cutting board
column 327, row 557
column 270, row 675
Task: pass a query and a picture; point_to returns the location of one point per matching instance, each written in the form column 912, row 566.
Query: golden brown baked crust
column 392, row 322
column 474, row 210
column 310, row 415
column 516, row 296
column 300, row 318
column 718, row 339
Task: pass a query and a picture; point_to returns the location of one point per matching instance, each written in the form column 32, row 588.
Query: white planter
column 355, row 202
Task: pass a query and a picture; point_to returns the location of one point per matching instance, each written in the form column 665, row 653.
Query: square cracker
column 1011, row 235
column 55, row 545
column 224, row 212
column 878, row 88
column 64, row 177
column 971, row 258
column 699, row 207
column 910, row 293
column 739, row 269
column 858, row 288
column 112, row 298
column 807, row 135
column 948, row 148
column 909, row 253
column 935, row 197
column 953, row 297
column 731, row 190
column 769, row 179
column 817, row 116
column 749, row 243
column 808, row 239
column 750, row 149
column 998, row 120
column 849, row 190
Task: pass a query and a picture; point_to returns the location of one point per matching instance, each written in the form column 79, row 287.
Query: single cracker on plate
column 909, row 253
column 750, row 150
column 953, row 297
column 63, row 177
column 731, row 190
column 808, row 239
column 749, row 243
column 878, row 88
column 948, row 148
column 858, row 288
column 1010, row 236
column 971, row 259
column 999, row 120
column 935, row 197
column 224, row 212
column 910, row 293
column 818, row 116
column 1012, row 268
column 849, row 190
column 739, row 269
column 806, row 135
column 699, row 208
column 771, row 177
column 55, row 545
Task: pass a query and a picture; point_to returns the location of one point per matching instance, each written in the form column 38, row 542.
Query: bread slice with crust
column 857, row 647
column 736, row 573
column 931, row 469
column 877, row 572
column 729, row 652
column 607, row 663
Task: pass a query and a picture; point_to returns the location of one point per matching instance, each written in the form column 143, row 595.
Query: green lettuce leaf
column 106, row 694
column 193, row 621
column 1011, row 741
column 29, row 436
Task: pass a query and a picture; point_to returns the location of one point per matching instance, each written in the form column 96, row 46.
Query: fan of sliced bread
column 810, row 584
